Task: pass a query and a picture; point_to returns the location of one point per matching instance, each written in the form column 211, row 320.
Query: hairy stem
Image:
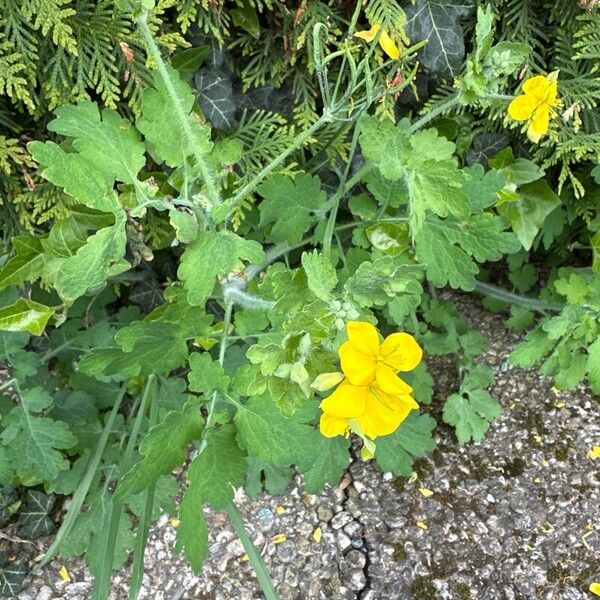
column 500, row 294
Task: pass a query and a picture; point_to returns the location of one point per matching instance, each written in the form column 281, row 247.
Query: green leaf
column 215, row 97
column 438, row 22
column 471, row 414
column 389, row 238
column 449, row 248
column 526, row 216
column 214, row 254
column 291, row 205
column 520, row 319
column 185, row 225
column 219, row 467
column 164, row 127
column 536, row 345
column 593, row 366
column 25, row 315
column 206, row 375
column 269, row 436
column 192, row 533
column 163, row 448
column 12, row 578
column 27, row 263
column 34, row 520
column 103, row 139
column 320, row 274
column 376, row 283
column 262, row 476
column 33, row 443
column 246, row 18
column 482, row 188
column 99, row 258
column 186, row 62
column 574, row 288
column 422, row 383
column 413, row 438
column 331, row 460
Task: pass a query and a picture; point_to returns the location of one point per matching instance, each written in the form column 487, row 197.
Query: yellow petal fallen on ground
column 421, row 525
column 280, row 510
column 245, row 558
column 317, row 535
column 279, row 538
column 560, row 404
column 538, row 438
column 175, row 522
column 426, row 492
column 594, row 452
column 64, row 574
column 595, row 588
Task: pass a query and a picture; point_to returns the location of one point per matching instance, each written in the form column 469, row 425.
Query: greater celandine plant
column 236, row 359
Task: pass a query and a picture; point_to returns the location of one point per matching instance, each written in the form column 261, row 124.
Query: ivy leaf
column 269, row 436
column 27, row 263
column 206, row 374
column 449, row 248
column 283, row 196
column 437, row 21
column 163, row 448
column 12, row 577
column 33, row 443
column 214, row 254
column 192, row 533
column 413, row 438
column 103, row 139
column 320, row 274
column 34, row 520
column 376, row 283
column 215, row 97
column 331, row 460
column 99, row 258
column 25, row 315
column 218, row 468
column 162, row 126
column 526, row 216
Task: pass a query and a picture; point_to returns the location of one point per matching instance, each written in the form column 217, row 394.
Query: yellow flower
column 535, row 105
column 595, row 588
column 371, row 400
column 365, row 361
column 385, row 41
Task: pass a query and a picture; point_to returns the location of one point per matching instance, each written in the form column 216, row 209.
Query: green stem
column 182, row 116
column 256, row 560
column 436, row 112
column 505, row 296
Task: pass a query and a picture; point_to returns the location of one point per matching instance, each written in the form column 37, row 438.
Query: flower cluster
column 535, row 105
column 370, row 399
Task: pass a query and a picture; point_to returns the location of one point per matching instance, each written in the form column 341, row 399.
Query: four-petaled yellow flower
column 371, row 399
column 385, row 41
column 536, row 105
column 595, row 588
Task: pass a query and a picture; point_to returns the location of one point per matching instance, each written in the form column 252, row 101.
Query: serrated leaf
column 320, row 274
column 536, row 345
column 526, row 216
column 163, row 448
column 437, row 21
column 331, row 460
column 27, row 263
column 593, row 366
column 162, row 126
column 206, row 375
column 214, row 254
column 269, row 436
column 471, row 414
column 290, row 205
column 482, row 188
column 25, row 315
column 449, row 248
column 413, row 438
column 192, row 532
column 389, row 238
column 215, row 97
column 376, row 283
column 219, row 467
column 34, row 520
column 185, row 225
column 263, row 476
column 186, row 62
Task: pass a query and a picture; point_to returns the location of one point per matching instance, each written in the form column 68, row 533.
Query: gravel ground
column 512, row 518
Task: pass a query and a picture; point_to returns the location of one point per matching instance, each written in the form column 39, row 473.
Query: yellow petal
column 594, row 452
column 595, row 588
column 280, row 510
column 368, row 35
column 421, row 525
column 64, row 574
column 279, row 538
column 364, row 336
column 325, row 381
column 317, row 535
column 347, row 401
column 389, row 382
column 426, row 492
column 383, row 414
column 538, row 126
column 521, row 108
column 330, row 426
column 388, row 45
column 401, row 352
column 540, row 88
column 357, row 366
